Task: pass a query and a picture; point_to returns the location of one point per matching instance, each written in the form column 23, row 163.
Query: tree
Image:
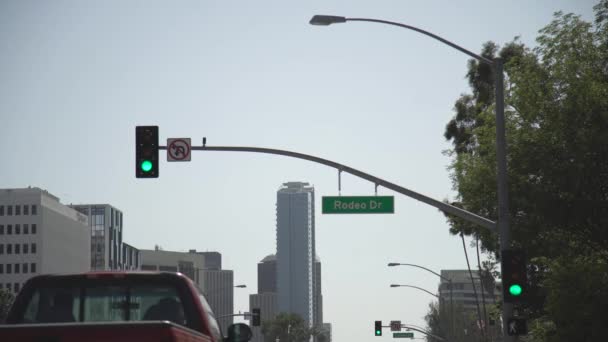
column 6, row 300
column 287, row 327
column 557, row 133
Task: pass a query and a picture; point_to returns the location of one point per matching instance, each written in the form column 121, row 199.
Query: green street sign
column 403, row 335
column 358, row 205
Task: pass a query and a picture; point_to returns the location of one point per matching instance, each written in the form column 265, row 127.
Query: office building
column 266, row 298
column 327, row 332
column 108, row 251
column 218, row 286
column 267, row 303
column 39, row 235
column 267, row 274
column 463, row 293
column 318, row 296
column 213, row 260
column 189, row 263
column 296, row 250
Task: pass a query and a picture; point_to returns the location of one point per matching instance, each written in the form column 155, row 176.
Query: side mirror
column 239, row 332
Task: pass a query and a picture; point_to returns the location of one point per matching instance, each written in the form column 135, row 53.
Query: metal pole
column 503, row 197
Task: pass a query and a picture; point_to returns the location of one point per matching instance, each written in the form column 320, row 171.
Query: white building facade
column 39, row 235
column 296, row 250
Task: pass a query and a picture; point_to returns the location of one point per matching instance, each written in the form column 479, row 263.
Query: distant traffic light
column 378, row 328
column 255, row 317
column 514, row 276
column 146, row 152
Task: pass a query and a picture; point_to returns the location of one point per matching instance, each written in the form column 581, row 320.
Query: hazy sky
column 76, row 77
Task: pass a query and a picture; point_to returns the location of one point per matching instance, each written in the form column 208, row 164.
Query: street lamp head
column 390, row 264
column 241, row 286
column 326, row 20
column 395, row 285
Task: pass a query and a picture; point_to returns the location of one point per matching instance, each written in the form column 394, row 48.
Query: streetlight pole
column 421, row 289
column 449, row 280
column 501, row 145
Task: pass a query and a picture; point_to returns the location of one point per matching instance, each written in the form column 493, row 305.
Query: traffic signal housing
column 146, row 152
column 378, row 328
column 255, row 317
column 514, row 276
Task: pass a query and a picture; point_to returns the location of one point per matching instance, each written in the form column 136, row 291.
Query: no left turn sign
column 178, row 149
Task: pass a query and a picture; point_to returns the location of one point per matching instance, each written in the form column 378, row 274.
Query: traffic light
column 146, row 152
column 255, row 317
column 378, row 328
column 514, row 276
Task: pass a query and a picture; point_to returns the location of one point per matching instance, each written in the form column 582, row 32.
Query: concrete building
column 296, row 250
column 218, row 286
column 39, row 235
column 189, row 263
column 318, row 296
column 213, row 260
column 108, row 251
column 464, row 295
column 266, row 298
column 267, row 303
column 327, row 332
column 267, row 274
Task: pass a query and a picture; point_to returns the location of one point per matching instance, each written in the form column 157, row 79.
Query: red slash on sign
column 178, row 149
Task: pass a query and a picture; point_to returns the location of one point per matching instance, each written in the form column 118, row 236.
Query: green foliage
column 288, row 328
column 6, row 300
column 557, row 133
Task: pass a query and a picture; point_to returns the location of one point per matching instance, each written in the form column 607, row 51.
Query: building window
column 17, row 267
column 9, row 210
column 26, row 209
column 34, row 211
column 9, row 229
column 17, row 229
column 1, row 249
column 25, row 248
column 34, row 228
column 26, row 228
column 1, row 210
column 33, row 267
column 17, row 248
column 25, row 268
column 1, row 229
column 9, row 249
column 16, row 287
column 17, row 210
column 33, row 248
column 9, row 268
column 1, row 270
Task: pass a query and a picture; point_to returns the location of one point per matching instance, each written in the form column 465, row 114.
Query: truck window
column 53, row 305
column 106, row 304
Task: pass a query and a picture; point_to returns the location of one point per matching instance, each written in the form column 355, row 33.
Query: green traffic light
column 146, row 166
column 378, row 332
column 515, row 290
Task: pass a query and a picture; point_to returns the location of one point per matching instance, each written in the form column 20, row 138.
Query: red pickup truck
column 115, row 307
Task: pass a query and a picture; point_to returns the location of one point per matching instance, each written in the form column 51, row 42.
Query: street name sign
column 395, row 325
column 358, row 205
column 403, row 335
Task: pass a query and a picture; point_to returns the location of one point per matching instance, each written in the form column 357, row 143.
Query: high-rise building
column 267, row 303
column 318, row 296
column 218, row 286
column 213, row 260
column 40, row 235
column 266, row 298
column 463, row 293
column 296, row 250
column 327, row 332
column 108, row 251
column 267, row 274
